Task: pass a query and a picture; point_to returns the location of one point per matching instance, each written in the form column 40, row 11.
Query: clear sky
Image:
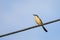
column 18, row 14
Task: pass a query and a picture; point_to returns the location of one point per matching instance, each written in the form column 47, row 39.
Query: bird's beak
column 33, row 14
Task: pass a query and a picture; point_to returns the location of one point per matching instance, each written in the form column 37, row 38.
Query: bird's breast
column 38, row 21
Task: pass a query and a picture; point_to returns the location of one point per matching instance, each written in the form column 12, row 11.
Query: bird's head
column 35, row 15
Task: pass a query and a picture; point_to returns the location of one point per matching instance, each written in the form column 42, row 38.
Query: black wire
column 29, row 28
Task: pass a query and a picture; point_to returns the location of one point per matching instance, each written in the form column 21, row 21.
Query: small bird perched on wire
column 39, row 22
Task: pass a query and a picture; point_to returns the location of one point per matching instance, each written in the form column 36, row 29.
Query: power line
column 28, row 28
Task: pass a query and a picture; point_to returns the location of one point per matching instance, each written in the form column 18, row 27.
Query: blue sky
column 18, row 14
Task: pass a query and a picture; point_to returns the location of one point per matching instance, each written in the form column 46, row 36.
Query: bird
column 39, row 21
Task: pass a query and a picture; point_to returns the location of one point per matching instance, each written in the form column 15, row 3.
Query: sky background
column 18, row 14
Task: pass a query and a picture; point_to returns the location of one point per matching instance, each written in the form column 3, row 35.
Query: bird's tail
column 44, row 28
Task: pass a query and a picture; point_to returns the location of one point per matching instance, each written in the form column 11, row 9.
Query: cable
column 28, row 28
